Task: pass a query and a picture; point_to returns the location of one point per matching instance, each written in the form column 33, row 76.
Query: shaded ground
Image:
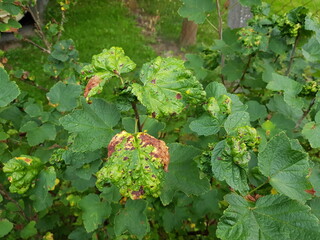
column 163, row 47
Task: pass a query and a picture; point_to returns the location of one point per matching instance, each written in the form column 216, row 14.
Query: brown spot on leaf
column 160, row 150
column 153, row 81
column 178, row 96
column 93, row 82
column 310, row 191
column 114, row 142
column 138, row 194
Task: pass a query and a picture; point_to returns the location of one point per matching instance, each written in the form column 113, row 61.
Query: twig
column 36, row 18
column 61, row 25
column 136, row 113
column 305, row 113
column 36, row 45
column 214, row 27
column 6, row 195
column 243, row 73
column 292, row 54
column 260, row 186
column 35, row 85
column 220, row 27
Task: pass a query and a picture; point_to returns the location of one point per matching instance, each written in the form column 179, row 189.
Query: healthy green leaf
column 41, row 197
column 196, row 10
column 29, row 230
column 225, row 169
column 94, row 212
column 132, row 219
column 64, row 96
column 183, row 174
column 151, row 125
column 5, row 227
column 256, row 110
column 38, row 134
column 174, row 219
column 311, row 131
column 215, row 89
column 167, row 86
column 205, row 125
column 290, row 87
column 286, row 167
column 195, row 62
column 270, row 217
column 237, row 119
column 9, row 89
column 92, row 125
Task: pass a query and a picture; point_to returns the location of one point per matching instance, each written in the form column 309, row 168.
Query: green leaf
column 132, row 219
column 225, row 169
column 151, row 125
column 38, row 134
column 256, row 110
column 136, row 164
column 111, row 62
column 311, row 50
column 94, row 212
column 41, row 197
column 311, row 131
column 9, row 89
column 196, row 10
column 237, row 119
column 233, row 69
column 270, row 217
column 64, row 50
column 183, row 174
column 250, row 3
column 215, row 89
column 5, row 227
column 290, row 87
column 92, row 125
column 195, row 62
column 205, row 125
column 174, row 219
column 64, row 96
column 29, row 230
column 286, row 167
column 21, row 172
column 167, row 86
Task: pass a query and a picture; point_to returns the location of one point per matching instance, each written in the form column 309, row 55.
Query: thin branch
column 136, row 113
column 219, row 19
column 292, row 54
column 211, row 24
column 29, row 82
column 63, row 16
column 243, row 73
column 6, row 195
column 36, row 45
column 305, row 113
column 36, row 17
column 260, row 186
column 220, row 27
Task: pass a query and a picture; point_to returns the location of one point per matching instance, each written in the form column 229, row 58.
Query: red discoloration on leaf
column 160, row 148
column 114, row 142
column 93, row 82
column 178, row 96
column 138, row 194
column 310, row 191
column 153, row 81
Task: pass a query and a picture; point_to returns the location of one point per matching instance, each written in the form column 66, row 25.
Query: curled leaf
column 136, row 164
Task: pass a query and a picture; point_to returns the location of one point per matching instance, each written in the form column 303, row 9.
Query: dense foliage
column 224, row 146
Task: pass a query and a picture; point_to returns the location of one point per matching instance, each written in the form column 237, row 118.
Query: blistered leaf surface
column 136, row 164
column 168, row 87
